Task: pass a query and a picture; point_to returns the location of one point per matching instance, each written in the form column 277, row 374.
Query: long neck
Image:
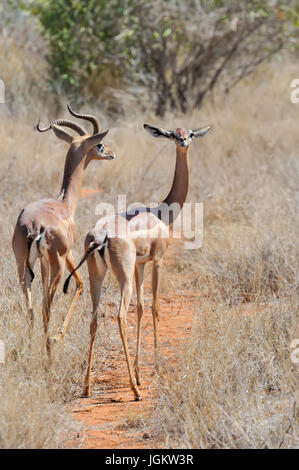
column 75, row 164
column 180, row 185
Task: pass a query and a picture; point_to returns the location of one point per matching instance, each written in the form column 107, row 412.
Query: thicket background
column 177, row 51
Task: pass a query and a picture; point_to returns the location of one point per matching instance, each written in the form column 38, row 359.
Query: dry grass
column 235, row 386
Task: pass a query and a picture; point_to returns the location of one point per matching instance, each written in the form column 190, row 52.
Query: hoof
column 138, row 378
column 137, row 394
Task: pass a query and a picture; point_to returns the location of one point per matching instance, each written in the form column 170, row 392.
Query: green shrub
column 178, row 50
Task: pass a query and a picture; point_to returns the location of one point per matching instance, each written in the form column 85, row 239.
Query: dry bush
column 235, row 385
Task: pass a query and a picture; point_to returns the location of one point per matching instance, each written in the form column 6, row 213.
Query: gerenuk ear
column 157, row 131
column 200, row 132
column 63, row 135
column 96, row 139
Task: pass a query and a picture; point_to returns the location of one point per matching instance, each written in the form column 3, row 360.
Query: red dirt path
column 109, row 419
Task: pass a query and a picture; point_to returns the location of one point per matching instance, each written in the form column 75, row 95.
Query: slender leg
column 156, row 278
column 45, row 269
column 139, row 272
column 20, row 248
column 126, row 292
column 122, row 255
column 26, row 287
column 97, row 270
column 70, row 265
column 57, row 268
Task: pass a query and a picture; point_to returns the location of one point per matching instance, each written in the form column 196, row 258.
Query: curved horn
column 88, row 117
column 63, row 122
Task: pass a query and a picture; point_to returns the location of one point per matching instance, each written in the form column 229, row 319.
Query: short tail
column 92, row 247
column 30, row 240
column 34, row 248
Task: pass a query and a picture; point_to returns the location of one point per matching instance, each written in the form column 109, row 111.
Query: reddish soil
column 110, row 418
